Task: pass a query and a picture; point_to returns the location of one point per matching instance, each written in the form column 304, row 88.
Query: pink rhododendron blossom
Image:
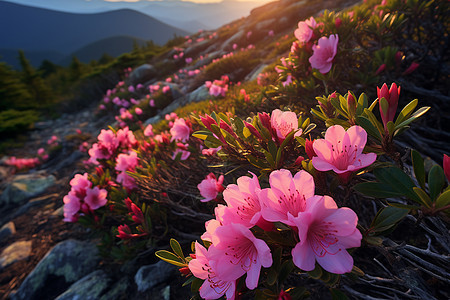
column 305, row 30
column 188, row 60
column 166, row 89
column 138, row 111
column 283, row 122
column 126, row 180
column 151, row 102
column 184, row 154
column 286, row 196
column 71, row 207
column 95, row 198
column 446, row 165
column 211, row 151
column 324, row 53
column 180, row 130
column 202, row 267
column 325, row 231
column 148, row 131
column 41, row 151
column 341, row 151
column 240, row 252
column 243, row 205
column 210, row 187
column 127, row 162
column 79, row 184
column 126, row 138
column 391, row 95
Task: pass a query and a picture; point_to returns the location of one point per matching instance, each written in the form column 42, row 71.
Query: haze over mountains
column 73, row 25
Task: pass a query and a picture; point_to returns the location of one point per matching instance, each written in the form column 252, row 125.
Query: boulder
column 90, row 287
column 15, row 252
column 200, row 94
column 142, row 74
column 7, row 230
column 23, row 187
column 149, row 276
column 63, row 265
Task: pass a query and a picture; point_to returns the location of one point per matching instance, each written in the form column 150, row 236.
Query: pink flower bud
column 447, row 166
column 309, row 148
column 338, row 22
column 391, row 96
column 411, row 68
column 252, row 130
column 299, row 160
column 380, row 69
column 138, row 216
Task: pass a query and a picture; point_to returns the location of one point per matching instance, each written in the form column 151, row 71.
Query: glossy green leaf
column 170, row 258
column 421, row 111
column 202, row 134
column 443, row 200
column 398, row 180
column 436, row 181
column 419, row 169
column 362, row 104
column 388, row 217
column 176, row 248
column 376, row 190
column 374, row 121
column 426, row 201
column 369, row 127
column 406, row 111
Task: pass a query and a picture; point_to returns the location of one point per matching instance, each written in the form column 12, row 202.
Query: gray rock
column 90, row 287
column 26, row 186
column 66, row 263
column 142, row 74
column 200, row 94
column 234, row 39
column 149, row 276
column 266, row 24
column 7, row 230
column 15, row 252
column 254, row 74
column 118, row 290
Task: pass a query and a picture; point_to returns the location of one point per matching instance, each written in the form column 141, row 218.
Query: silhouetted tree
column 13, row 93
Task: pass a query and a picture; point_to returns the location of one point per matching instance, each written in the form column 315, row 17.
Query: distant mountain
column 37, row 29
column 114, row 46
column 183, row 14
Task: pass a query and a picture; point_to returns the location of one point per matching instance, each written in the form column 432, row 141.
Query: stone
column 63, row 265
column 200, row 94
column 142, row 74
column 15, row 252
column 117, row 290
column 228, row 44
column 90, row 287
column 23, row 187
column 148, row 277
column 7, row 230
column 254, row 74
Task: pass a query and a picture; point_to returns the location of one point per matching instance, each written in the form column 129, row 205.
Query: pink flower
column 240, row 252
column 324, row 53
column 211, row 151
column 166, row 89
column 391, row 96
column 325, row 231
column 126, row 138
column 341, row 151
column 210, row 187
column 286, row 196
column 243, row 205
column 41, row 151
column 148, row 131
column 126, row 180
column 305, row 31
column 95, row 198
column 180, row 130
column 214, row 287
column 79, row 184
column 283, row 122
column 138, row 111
column 447, row 166
column 71, row 206
column 188, row 60
column 151, row 102
column 184, row 154
column 127, row 162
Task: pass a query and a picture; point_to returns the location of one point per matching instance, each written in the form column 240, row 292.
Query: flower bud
column 391, row 95
column 380, row 69
column 309, row 148
column 253, row 130
column 447, row 166
column 411, row 68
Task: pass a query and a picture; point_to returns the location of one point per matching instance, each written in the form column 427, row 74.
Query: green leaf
column 390, row 127
column 286, row 269
column 283, row 144
column 374, row 121
column 369, row 127
column 436, row 181
column 337, row 294
column 423, row 196
column 316, row 273
column 362, row 103
column 419, row 169
column 170, row 258
column 196, row 284
column 376, row 190
column 414, row 116
column 246, row 132
column 406, row 111
column 388, row 217
column 177, row 248
column 398, row 181
column 202, row 134
column 443, row 200
column 384, row 104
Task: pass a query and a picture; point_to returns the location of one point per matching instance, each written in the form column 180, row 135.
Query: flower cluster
column 218, row 87
column 324, row 232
